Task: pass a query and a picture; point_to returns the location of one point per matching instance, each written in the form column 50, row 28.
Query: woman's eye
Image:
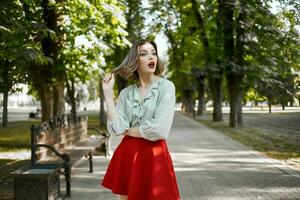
column 146, row 54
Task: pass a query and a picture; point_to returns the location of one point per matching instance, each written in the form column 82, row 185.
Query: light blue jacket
column 153, row 115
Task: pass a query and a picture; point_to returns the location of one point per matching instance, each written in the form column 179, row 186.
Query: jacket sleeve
column 119, row 124
column 159, row 126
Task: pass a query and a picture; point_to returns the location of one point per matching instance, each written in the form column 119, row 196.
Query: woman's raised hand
column 108, row 82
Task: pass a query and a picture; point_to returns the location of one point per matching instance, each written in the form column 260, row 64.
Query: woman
column 141, row 167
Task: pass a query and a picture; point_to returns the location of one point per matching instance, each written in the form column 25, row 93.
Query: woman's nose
column 151, row 57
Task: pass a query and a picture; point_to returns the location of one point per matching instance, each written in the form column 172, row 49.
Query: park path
column 208, row 165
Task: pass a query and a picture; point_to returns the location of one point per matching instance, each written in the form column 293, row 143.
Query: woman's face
column 147, row 59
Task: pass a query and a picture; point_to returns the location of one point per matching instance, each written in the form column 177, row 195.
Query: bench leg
column 90, row 156
column 107, row 143
column 68, row 180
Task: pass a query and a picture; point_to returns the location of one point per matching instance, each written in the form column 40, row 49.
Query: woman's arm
column 159, row 126
column 110, row 106
column 117, row 123
column 133, row 132
column 108, row 85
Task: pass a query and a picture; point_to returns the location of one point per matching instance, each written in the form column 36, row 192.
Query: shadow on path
column 208, row 165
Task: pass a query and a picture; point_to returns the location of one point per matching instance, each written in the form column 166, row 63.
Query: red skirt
column 143, row 170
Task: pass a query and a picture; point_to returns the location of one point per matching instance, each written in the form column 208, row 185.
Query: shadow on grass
column 6, row 181
column 16, row 137
column 277, row 146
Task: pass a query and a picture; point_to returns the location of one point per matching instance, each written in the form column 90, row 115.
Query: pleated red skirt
column 143, row 170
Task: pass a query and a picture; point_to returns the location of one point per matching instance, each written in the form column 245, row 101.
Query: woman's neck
column 147, row 81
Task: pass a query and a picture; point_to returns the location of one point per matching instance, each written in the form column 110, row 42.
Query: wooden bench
column 64, row 140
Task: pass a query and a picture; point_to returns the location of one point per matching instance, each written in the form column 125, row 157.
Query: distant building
column 20, row 99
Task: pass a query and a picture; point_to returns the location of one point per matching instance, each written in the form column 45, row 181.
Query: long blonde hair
column 128, row 68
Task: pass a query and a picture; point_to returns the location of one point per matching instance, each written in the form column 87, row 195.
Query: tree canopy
column 219, row 50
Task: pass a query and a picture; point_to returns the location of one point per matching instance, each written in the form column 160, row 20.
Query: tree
column 12, row 37
column 183, row 61
column 44, row 66
column 134, row 21
column 195, row 39
column 211, row 51
column 90, row 40
column 273, row 53
column 64, row 23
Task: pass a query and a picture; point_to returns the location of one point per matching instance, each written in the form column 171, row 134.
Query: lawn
column 93, row 121
column 16, row 136
column 6, row 182
column 269, row 142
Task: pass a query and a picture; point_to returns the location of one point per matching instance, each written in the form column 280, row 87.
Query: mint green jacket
column 153, row 115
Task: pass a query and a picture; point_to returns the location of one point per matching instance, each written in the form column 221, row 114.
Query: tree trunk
column 71, row 95
column 227, row 22
column 216, row 77
column 6, row 88
column 218, row 96
column 102, row 111
column 52, row 100
column 46, row 96
column 234, row 54
column 233, row 112
column 188, row 103
column 270, row 105
column 45, row 77
column 216, row 91
column 59, row 99
column 240, row 108
column 233, row 100
column 214, row 83
column 227, row 19
column 201, row 95
column 5, row 110
column 239, row 54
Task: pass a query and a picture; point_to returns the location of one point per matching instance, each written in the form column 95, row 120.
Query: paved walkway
column 208, row 165
column 287, row 124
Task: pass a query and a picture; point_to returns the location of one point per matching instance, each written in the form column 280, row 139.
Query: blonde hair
column 128, row 68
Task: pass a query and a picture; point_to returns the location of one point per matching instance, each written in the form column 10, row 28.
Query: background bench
column 62, row 141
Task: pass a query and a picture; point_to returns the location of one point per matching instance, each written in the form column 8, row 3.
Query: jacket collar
column 134, row 95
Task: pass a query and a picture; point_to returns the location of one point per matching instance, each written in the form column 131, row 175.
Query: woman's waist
column 142, row 140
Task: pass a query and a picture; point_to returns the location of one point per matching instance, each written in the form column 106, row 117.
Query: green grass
column 6, row 182
column 270, row 143
column 93, row 121
column 8, row 165
column 16, row 135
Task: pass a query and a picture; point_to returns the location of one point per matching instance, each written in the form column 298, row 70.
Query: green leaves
column 3, row 29
column 91, row 33
column 270, row 40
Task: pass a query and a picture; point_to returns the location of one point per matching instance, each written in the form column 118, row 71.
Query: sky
column 160, row 40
